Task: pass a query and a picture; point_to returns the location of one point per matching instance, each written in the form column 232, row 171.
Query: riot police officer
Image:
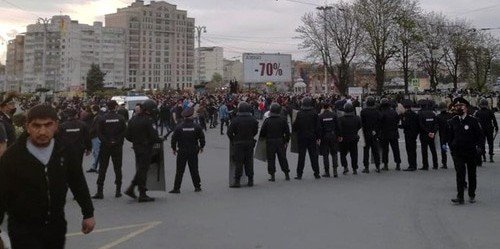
column 111, row 131
column 329, row 139
column 241, row 133
column 277, row 134
column 307, row 127
column 411, row 128
column 489, row 124
column 428, row 128
column 143, row 136
column 389, row 134
column 370, row 121
column 75, row 137
column 349, row 124
column 443, row 117
column 188, row 140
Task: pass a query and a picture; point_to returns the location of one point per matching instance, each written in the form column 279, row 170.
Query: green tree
column 217, row 79
column 95, row 79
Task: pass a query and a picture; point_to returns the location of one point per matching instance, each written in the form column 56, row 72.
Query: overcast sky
column 237, row 25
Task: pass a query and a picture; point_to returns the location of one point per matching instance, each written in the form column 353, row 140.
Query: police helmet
column 149, row 106
column 275, row 108
column 111, row 104
column 484, row 103
column 244, row 107
column 348, row 108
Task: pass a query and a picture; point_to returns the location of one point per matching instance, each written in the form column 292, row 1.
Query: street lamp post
column 325, row 9
column 199, row 30
column 45, row 22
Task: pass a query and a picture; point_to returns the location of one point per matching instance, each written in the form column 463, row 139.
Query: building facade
column 15, row 64
column 208, row 61
column 233, row 70
column 159, row 45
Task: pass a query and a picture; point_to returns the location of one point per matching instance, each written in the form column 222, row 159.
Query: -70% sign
column 270, row 69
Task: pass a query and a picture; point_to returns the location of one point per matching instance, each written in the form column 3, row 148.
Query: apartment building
column 14, row 64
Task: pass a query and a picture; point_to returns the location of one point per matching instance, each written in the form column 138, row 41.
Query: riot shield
column 294, row 143
column 156, row 171
column 260, row 150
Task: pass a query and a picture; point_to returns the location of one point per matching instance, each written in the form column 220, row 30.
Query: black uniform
column 349, row 126
column 34, row 195
column 465, row 138
column 143, row 136
column 329, row 139
column 124, row 113
column 277, row 134
column 308, row 131
column 489, row 124
column 443, row 119
column 111, row 132
column 75, row 137
column 241, row 133
column 187, row 141
column 411, row 128
column 389, row 135
column 9, row 128
column 370, row 121
column 428, row 124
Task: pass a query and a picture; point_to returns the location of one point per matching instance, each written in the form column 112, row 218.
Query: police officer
column 489, row 124
column 465, row 139
column 74, row 136
column 411, row 128
column 389, row 134
column 308, row 130
column 241, row 133
column 111, row 131
column 142, row 135
column 188, row 140
column 329, row 139
column 428, row 127
column 370, row 121
column 277, row 134
column 443, row 117
column 349, row 126
column 7, row 110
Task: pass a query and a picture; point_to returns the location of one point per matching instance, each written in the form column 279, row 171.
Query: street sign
column 355, row 91
column 260, row 68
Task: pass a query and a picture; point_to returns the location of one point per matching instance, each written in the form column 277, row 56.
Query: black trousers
column 393, row 142
column 307, row 145
column 116, row 154
column 243, row 157
column 222, row 122
column 50, row 236
column 373, row 145
column 444, row 154
column 489, row 141
column 351, row 148
column 427, row 142
column 329, row 147
column 143, row 156
column 191, row 159
column 276, row 147
column 465, row 164
column 203, row 122
column 411, row 151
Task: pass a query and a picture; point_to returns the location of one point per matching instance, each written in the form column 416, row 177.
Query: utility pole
column 325, row 49
column 199, row 30
column 45, row 22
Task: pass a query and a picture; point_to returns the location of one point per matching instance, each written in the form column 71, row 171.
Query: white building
column 208, row 61
column 233, row 70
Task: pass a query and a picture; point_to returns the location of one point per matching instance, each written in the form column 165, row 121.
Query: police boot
column 386, row 167
column 143, row 197
column 272, row 179
column 118, row 192
column 346, row 170
column 398, row 167
column 250, row 182
column 491, row 159
column 377, row 168
column 99, row 195
column 236, row 184
column 130, row 192
column 354, row 171
column 335, row 174
column 327, row 173
column 366, row 170
column 287, row 176
column 484, row 157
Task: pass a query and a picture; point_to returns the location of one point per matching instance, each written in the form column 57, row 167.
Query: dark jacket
column 9, row 128
column 444, row 129
column 349, row 125
column 243, row 129
column 306, row 125
column 389, row 122
column 96, row 119
column 487, row 120
column 188, row 137
column 111, row 129
column 275, row 127
column 140, row 130
column 124, row 113
column 370, row 120
column 329, row 125
column 410, row 124
column 34, row 194
column 74, row 134
column 428, row 122
column 465, row 136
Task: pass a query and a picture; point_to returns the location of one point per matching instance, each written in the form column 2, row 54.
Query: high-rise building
column 208, row 61
column 58, row 54
column 159, row 45
column 233, row 71
column 14, row 64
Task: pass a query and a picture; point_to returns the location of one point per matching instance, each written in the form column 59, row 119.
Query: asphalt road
column 388, row 210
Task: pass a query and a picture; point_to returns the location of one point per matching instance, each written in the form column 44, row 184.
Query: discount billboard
column 259, row 68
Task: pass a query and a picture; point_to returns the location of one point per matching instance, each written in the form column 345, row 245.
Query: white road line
column 130, row 236
column 112, row 229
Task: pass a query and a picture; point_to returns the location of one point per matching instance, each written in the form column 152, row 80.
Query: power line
column 18, row 7
column 302, row 2
column 261, row 42
column 479, row 9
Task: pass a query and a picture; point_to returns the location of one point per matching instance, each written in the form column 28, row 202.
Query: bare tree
column 456, row 46
column 485, row 49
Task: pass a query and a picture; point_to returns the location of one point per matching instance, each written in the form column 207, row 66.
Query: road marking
column 144, row 228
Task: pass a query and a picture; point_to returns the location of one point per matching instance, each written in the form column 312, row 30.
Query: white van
column 130, row 102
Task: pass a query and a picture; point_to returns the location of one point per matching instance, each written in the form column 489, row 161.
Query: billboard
column 259, row 68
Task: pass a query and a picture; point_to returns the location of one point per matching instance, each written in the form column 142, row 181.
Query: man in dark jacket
column 308, row 130
column 97, row 115
column 329, row 139
column 187, row 142
column 123, row 111
column 35, row 174
column 411, row 128
column 428, row 128
column 7, row 110
column 241, row 133
column 111, row 132
column 74, row 136
column 370, row 121
column 465, row 139
column 489, row 124
column 277, row 134
column 389, row 135
column 443, row 119
column 349, row 126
